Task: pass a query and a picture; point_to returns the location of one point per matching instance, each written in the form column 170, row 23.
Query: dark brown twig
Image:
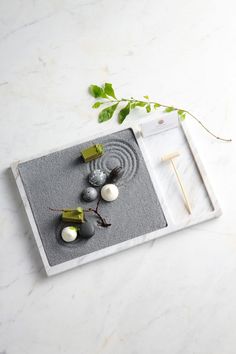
column 103, row 222
column 98, row 203
column 56, row 209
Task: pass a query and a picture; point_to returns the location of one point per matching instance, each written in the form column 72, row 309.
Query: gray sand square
column 57, row 180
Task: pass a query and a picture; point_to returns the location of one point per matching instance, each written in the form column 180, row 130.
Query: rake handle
column 187, row 204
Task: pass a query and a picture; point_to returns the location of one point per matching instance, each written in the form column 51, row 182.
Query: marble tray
column 148, row 188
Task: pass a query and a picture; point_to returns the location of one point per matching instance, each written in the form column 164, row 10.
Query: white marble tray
column 156, row 137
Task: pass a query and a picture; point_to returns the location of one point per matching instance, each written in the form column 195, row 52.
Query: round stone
column 109, row 192
column 89, row 194
column 69, row 234
column 97, row 178
column 86, row 229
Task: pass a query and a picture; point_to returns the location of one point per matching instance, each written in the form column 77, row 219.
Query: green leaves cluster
column 102, row 92
column 106, row 95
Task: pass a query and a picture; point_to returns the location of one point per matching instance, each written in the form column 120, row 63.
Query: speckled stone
column 86, row 229
column 97, row 178
column 89, row 194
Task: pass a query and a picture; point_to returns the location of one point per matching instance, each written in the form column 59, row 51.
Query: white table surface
column 175, row 295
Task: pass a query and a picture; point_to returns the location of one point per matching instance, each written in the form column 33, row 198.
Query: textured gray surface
column 57, row 180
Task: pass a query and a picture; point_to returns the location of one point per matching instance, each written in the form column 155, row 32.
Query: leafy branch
column 106, row 95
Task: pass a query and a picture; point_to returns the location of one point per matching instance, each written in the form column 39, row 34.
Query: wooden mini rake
column 170, row 157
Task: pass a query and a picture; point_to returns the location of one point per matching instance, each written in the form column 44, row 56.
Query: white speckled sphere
column 69, row 234
column 109, row 192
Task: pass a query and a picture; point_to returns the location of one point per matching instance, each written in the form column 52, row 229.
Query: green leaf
column 156, row 105
column 182, row 116
column 132, row 105
column 109, row 91
column 107, row 113
column 148, row 108
column 137, row 104
column 123, row 113
column 180, row 111
column 96, row 91
column 140, row 104
column 147, row 97
column 169, row 109
column 97, row 104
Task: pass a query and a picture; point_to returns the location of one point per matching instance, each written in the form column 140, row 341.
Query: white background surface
column 175, row 295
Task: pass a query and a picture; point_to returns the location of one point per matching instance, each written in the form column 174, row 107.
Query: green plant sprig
column 106, row 95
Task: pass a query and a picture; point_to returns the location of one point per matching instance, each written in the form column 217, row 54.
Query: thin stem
column 174, row 108
column 207, row 130
column 103, row 221
column 98, row 204
column 95, row 211
column 56, row 209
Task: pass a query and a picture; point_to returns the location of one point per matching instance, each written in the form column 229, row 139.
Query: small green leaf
column 140, row 104
column 97, row 104
column 147, row 97
column 182, row 116
column 123, row 113
column 96, row 91
column 180, row 111
column 156, row 105
column 109, row 91
column 148, row 108
column 132, row 105
column 107, row 113
column 169, row 109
